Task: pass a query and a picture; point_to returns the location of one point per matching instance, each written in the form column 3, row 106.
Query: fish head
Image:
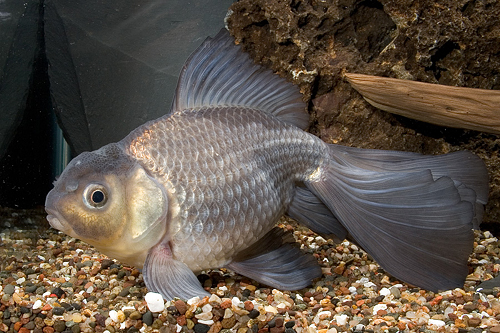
column 108, row 200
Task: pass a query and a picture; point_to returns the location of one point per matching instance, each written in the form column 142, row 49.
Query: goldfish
column 204, row 186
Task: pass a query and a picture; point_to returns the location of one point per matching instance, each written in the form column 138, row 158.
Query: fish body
column 203, row 187
column 229, row 186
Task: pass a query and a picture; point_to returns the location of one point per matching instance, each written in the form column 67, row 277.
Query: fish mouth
column 55, row 221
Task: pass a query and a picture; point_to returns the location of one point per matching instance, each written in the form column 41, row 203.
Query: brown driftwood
column 476, row 109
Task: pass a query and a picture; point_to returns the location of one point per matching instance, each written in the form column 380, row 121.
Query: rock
column 313, row 45
column 58, row 292
column 181, row 306
column 155, row 302
column 58, row 311
column 9, row 289
column 147, row 318
column 201, row 328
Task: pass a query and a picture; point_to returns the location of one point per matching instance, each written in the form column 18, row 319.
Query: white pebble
column 369, row 285
column 353, row 290
column 193, row 300
column 384, row 292
column 228, row 313
column 20, row 280
column 341, row 319
column 37, row 304
column 113, row 315
column 206, row 322
column 435, row 322
column 204, row 316
column 379, row 307
column 155, row 302
column 214, row 298
column 271, row 309
column 206, row 308
column 237, row 302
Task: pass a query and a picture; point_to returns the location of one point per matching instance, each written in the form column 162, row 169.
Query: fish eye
column 95, row 196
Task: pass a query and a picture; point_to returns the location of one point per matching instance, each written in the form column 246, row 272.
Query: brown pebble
column 216, row 327
column 46, row 307
column 228, row 322
column 226, row 304
column 130, row 283
column 277, row 329
column 135, row 315
column 495, row 329
column 279, row 321
column 381, row 313
column 474, row 322
column 48, row 329
column 17, row 326
column 248, row 305
column 180, row 306
column 23, row 330
column 339, row 269
column 181, row 320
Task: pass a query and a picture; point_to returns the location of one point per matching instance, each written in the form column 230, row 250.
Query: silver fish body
column 228, row 186
column 203, row 187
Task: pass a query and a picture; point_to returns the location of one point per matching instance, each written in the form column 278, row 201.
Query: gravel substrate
column 54, row 283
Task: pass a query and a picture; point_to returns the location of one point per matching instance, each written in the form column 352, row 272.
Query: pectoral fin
column 169, row 277
column 277, row 261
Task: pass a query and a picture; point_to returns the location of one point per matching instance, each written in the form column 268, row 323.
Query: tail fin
column 412, row 213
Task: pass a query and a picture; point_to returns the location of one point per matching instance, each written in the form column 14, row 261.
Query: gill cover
column 146, row 203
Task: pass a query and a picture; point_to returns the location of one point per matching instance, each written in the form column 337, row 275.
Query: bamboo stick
column 470, row 108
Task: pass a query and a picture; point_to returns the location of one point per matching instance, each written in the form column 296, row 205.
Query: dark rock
column 25, row 309
column 201, row 328
column 58, row 311
column 105, row 263
column 9, row 289
column 147, row 318
column 58, row 292
column 290, row 324
column 59, row 326
column 100, row 319
column 30, row 289
column 253, row 314
column 30, row 325
column 125, row 291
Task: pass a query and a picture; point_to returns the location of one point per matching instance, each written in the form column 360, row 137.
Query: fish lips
column 54, row 218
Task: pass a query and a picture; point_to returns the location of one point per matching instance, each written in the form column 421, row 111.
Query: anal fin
column 277, row 261
column 169, row 277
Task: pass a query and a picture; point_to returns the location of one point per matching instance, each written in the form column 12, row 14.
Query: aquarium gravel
column 55, row 283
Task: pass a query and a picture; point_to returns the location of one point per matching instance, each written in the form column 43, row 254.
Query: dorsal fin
column 219, row 73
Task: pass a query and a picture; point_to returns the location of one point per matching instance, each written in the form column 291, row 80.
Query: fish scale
column 264, row 154
column 204, row 186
